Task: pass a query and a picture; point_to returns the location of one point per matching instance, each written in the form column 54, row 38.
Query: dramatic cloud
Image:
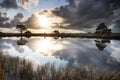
column 18, row 19
column 32, row 22
column 9, row 46
column 6, row 22
column 116, row 26
column 86, row 14
column 28, row 3
column 85, row 53
column 77, row 14
column 81, row 52
column 44, row 19
column 9, row 4
column 14, row 4
column 115, row 3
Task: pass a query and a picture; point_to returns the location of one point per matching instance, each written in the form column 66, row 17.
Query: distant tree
column 21, row 28
column 56, row 32
column 102, row 29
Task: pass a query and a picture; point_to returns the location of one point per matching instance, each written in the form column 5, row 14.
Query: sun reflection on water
column 47, row 46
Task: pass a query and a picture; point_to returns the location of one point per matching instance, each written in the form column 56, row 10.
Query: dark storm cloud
column 86, row 13
column 115, row 3
column 14, row 4
column 9, row 4
column 6, row 22
column 116, row 27
column 85, row 53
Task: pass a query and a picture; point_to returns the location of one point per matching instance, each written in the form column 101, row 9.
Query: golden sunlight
column 44, row 21
column 47, row 46
column 48, row 20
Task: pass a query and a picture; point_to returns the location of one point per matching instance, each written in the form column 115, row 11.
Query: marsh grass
column 20, row 69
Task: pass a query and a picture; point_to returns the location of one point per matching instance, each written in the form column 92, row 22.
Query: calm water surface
column 84, row 52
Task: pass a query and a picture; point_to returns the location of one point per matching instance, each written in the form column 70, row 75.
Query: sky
column 70, row 14
column 65, row 16
column 40, row 5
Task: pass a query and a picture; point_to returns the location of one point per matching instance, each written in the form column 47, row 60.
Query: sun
column 44, row 21
column 48, row 20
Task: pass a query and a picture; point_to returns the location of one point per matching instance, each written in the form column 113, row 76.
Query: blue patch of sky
column 43, row 5
column 48, row 4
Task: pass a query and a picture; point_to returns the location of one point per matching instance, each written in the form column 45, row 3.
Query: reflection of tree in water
column 101, row 44
column 22, row 41
column 22, row 28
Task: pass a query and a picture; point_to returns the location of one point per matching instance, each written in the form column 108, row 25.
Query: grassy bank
column 17, row 69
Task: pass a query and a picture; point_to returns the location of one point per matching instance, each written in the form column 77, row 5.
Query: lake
column 100, row 54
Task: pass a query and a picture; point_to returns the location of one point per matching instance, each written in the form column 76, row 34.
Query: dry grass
column 16, row 69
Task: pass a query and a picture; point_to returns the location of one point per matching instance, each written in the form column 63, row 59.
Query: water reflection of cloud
column 115, row 49
column 84, row 52
column 24, row 52
column 75, row 51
